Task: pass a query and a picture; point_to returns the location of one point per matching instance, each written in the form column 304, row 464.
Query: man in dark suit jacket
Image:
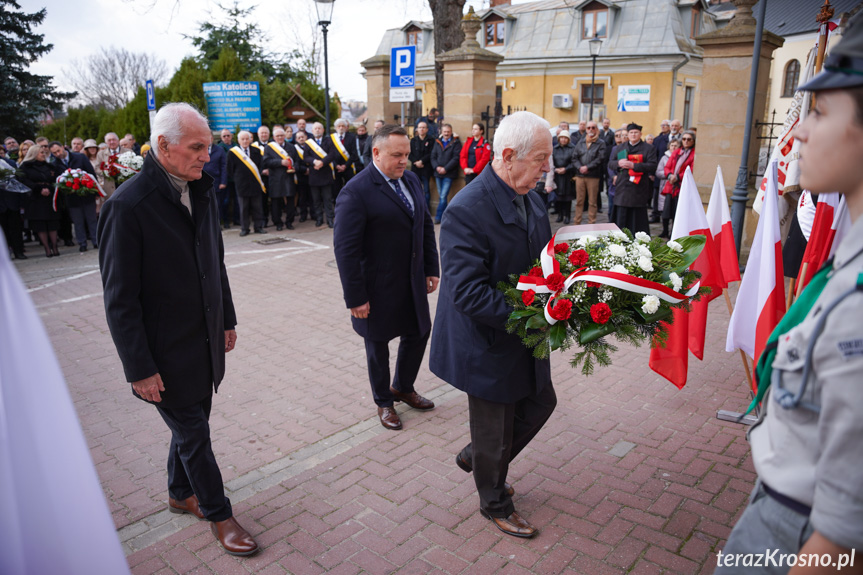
column 345, row 144
column 319, row 156
column 385, row 249
column 169, row 307
column 367, row 151
column 281, row 159
column 82, row 209
column 217, row 168
column 493, row 228
column 244, row 165
column 421, row 150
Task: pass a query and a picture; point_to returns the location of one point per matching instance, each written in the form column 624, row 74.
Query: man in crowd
column 281, row 160
column 367, row 151
column 217, row 168
column 660, row 143
column 244, row 164
column 581, row 133
column 231, row 212
column 304, row 192
column 78, row 145
column 132, row 144
column 421, row 150
column 82, row 209
column 588, row 159
column 431, row 123
column 385, row 231
column 493, row 228
column 345, row 158
column 11, row 145
column 260, row 146
column 676, row 130
column 362, row 137
column 226, row 140
column 446, row 152
column 169, row 308
column 634, row 163
column 301, row 127
column 318, row 156
column 113, row 149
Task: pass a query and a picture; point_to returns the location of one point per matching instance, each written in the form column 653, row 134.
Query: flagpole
column 742, row 354
column 735, row 416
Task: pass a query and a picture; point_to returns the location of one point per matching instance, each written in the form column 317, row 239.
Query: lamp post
column 324, row 8
column 595, row 46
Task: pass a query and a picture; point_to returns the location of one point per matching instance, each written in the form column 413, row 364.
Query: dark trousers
column 304, row 200
column 278, row 206
column 498, row 432
column 410, row 356
column 223, row 198
column 250, row 207
column 192, row 467
column 65, row 231
column 342, row 178
column 84, row 218
column 322, row 203
column 13, row 227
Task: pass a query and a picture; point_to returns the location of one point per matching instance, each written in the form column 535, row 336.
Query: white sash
column 316, row 148
column 238, row 151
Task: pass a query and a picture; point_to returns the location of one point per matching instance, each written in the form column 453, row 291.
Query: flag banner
column 687, row 332
column 719, row 221
column 829, row 225
column 761, row 299
column 53, row 514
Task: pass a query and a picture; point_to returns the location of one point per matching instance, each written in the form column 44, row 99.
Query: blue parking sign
column 151, row 96
column 403, row 66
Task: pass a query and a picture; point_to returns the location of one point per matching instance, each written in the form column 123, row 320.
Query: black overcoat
column 626, row 192
column 323, row 176
column 384, row 255
column 282, row 183
column 166, row 291
column 80, row 162
column 483, row 241
column 245, row 182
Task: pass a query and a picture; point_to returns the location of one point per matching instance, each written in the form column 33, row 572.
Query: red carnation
column 76, row 181
column 75, row 186
column 578, row 258
column 528, row 296
column 555, row 281
column 561, row 248
column 89, row 184
column 536, row 273
column 592, row 284
column 600, row 312
column 562, row 309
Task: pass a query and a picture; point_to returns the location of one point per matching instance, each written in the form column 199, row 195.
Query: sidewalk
column 630, row 475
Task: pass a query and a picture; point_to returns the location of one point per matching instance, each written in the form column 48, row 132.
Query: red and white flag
column 831, row 222
column 719, row 221
column 761, row 299
column 688, row 330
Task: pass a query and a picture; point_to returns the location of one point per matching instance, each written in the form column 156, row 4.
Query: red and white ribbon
column 75, row 173
column 612, row 279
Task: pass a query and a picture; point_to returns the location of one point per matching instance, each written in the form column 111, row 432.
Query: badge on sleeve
column 850, row 348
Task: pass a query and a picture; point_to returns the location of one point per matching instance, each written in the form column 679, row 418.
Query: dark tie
column 246, row 150
column 402, row 196
column 519, row 205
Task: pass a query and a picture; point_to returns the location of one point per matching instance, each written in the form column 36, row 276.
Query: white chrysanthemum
column 644, row 251
column 649, row 304
column 618, row 269
column 617, row 251
column 642, row 237
column 645, row 263
column 676, row 282
column 619, row 235
column 674, row 246
column 586, row 240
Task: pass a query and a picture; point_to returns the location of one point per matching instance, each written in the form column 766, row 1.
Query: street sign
column 151, row 96
column 402, row 95
column 233, row 103
column 403, row 67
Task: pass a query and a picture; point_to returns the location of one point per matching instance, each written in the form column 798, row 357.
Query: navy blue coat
column 77, row 161
column 483, row 241
column 217, row 167
column 167, row 297
column 384, row 255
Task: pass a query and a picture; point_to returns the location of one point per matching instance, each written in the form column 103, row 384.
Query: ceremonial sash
column 320, row 152
column 300, row 152
column 258, row 146
column 282, row 153
column 340, row 147
column 249, row 164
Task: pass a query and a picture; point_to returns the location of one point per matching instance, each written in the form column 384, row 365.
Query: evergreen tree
column 24, row 97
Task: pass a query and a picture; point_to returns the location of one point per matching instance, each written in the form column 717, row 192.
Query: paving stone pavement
column 630, row 475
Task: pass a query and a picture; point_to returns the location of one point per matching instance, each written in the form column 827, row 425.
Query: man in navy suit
column 493, row 228
column 82, row 209
column 388, row 262
column 217, row 167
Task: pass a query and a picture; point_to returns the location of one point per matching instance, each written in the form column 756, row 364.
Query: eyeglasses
column 686, row 139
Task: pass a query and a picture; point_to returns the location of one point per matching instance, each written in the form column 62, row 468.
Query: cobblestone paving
column 630, row 475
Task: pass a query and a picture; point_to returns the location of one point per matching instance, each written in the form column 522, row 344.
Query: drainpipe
column 686, row 59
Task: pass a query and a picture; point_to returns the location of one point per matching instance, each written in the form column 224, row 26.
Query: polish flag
column 719, row 221
column 688, row 330
column 761, row 299
column 830, row 224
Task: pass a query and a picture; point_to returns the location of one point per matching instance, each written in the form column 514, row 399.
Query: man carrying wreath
column 493, row 228
column 82, row 209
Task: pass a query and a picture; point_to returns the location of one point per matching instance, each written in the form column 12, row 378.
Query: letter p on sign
column 403, row 67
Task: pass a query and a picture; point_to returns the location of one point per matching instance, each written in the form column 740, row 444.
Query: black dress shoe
column 83, row 248
column 20, row 256
column 280, row 227
column 289, row 226
column 389, row 418
column 559, row 218
column 514, row 525
column 244, row 233
column 68, row 243
column 566, row 220
column 260, row 231
column 303, row 218
column 319, row 223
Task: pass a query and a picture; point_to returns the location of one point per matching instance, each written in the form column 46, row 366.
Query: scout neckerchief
column 341, row 148
column 238, row 151
column 792, row 318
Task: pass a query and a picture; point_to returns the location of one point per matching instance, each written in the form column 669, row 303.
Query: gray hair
column 244, row 133
column 518, row 132
column 341, row 122
column 111, row 134
column 170, row 121
column 316, row 124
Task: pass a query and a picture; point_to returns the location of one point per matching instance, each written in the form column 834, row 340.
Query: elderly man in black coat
column 281, row 159
column 169, row 307
column 493, row 228
column 385, row 248
column 634, row 163
column 217, row 168
column 82, row 209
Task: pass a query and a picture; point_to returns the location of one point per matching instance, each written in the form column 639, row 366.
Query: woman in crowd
column 39, row 176
column 24, row 148
column 475, row 154
column 660, row 175
column 675, row 167
column 562, row 174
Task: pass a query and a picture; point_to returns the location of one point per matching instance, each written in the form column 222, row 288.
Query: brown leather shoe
column 465, row 466
column 514, row 525
column 389, row 418
column 413, row 399
column 189, row 505
column 234, row 539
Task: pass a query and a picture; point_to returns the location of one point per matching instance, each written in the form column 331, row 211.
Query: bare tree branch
column 111, row 78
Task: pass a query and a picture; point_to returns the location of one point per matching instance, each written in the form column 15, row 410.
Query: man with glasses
column 660, row 143
column 587, row 158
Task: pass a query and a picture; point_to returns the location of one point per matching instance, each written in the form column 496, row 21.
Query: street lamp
column 595, row 45
column 324, row 8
